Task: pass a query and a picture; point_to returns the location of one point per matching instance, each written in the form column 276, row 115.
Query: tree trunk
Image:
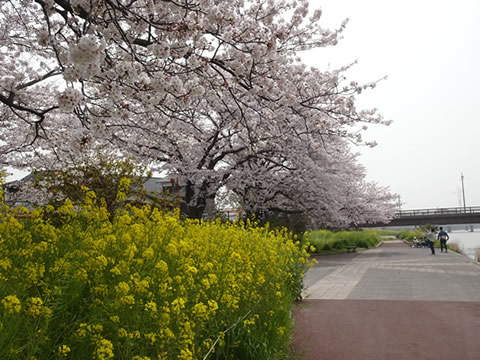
column 195, row 201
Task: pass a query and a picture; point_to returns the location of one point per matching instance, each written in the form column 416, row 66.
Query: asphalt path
column 393, row 302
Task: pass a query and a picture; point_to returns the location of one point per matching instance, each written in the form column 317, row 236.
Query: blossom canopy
column 214, row 91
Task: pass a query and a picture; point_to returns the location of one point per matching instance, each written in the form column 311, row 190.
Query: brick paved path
column 393, row 302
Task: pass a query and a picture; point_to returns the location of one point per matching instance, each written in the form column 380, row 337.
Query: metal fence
column 438, row 211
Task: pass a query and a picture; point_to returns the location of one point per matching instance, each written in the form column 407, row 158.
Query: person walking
column 443, row 237
column 431, row 240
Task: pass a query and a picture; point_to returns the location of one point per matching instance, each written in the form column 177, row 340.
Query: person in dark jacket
column 443, row 237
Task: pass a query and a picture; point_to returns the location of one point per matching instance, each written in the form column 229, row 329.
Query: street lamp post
column 463, row 194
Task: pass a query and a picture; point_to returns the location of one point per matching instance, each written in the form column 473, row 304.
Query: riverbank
column 468, row 242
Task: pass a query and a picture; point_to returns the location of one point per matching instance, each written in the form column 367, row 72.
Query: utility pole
column 463, row 193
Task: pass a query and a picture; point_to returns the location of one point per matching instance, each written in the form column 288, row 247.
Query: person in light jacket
column 431, row 240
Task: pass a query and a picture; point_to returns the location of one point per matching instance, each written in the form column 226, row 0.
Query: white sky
column 430, row 51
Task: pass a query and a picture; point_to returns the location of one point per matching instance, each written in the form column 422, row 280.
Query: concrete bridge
column 440, row 216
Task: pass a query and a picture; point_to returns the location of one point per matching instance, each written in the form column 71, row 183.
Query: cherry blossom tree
column 213, row 91
column 324, row 183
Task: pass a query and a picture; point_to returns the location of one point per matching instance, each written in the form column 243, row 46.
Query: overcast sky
column 430, row 51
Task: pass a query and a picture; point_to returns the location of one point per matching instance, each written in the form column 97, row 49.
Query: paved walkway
column 393, row 302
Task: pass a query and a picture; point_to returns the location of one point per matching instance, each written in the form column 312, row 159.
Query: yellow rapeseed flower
column 101, row 290
column 213, row 306
column 122, row 288
column 178, row 304
column 81, row 274
column 131, row 250
column 34, row 307
column 185, row 354
column 122, row 333
column 212, row 278
column 134, row 334
column 148, row 253
column 95, row 328
column 167, row 281
column 34, row 272
column 205, row 283
column 5, row 264
column 82, row 331
column 128, row 300
column 151, row 306
column 116, row 270
column 191, row 269
column 103, row 349
column 11, row 304
column 101, row 262
column 200, row 310
column 162, row 266
column 63, row 350
column 171, row 249
column 248, row 322
column 141, row 285
column 151, row 336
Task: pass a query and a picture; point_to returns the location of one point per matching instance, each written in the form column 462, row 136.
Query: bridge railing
column 438, row 211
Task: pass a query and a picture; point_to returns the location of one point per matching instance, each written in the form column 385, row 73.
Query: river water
column 467, row 241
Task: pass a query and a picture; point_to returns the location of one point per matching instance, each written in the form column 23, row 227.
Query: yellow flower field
column 146, row 285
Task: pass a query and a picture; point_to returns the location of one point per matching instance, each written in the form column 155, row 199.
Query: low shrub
column 326, row 241
column 408, row 235
column 143, row 285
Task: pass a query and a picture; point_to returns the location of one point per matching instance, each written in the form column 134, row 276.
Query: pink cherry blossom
column 214, row 92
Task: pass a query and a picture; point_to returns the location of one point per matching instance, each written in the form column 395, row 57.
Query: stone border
column 466, row 257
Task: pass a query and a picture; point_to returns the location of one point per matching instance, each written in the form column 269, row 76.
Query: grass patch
column 325, row 241
column 384, row 232
column 454, row 247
